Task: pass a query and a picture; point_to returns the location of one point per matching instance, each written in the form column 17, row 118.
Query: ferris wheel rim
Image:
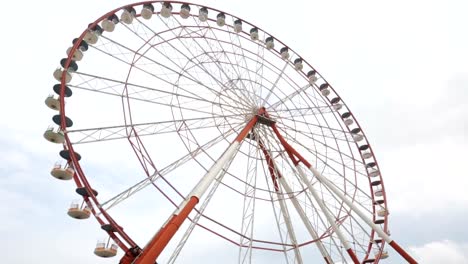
column 73, row 154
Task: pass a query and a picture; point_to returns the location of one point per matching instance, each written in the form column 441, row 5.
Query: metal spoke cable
column 166, row 170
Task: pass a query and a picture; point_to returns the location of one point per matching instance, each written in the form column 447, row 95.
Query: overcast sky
column 401, row 66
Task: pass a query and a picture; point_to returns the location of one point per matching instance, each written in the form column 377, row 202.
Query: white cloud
column 446, row 251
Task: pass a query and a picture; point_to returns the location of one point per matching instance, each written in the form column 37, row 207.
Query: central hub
column 263, row 117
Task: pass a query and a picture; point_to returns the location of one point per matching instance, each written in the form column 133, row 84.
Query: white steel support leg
column 278, row 225
column 284, row 210
column 324, row 224
column 297, row 206
column 194, row 222
column 287, row 221
column 205, row 182
column 305, row 220
column 337, row 192
column 166, row 233
column 324, row 208
column 366, row 219
column 294, row 154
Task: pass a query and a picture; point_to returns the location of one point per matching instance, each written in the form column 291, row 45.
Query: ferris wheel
column 220, row 134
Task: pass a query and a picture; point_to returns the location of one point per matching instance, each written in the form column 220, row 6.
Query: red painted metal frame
column 126, row 243
column 79, row 176
column 276, row 174
column 294, row 154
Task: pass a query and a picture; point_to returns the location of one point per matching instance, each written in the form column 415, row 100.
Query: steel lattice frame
column 249, row 112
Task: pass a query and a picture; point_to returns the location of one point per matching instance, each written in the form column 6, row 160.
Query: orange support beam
column 161, row 240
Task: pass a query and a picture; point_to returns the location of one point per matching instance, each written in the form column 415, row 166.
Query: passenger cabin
column 54, row 135
column 62, row 173
column 203, row 14
column 52, row 102
column 147, row 11
column 238, row 26
column 221, row 19
column 184, row 11
column 312, row 76
column 166, row 10
column 105, row 249
column 78, row 211
column 127, row 15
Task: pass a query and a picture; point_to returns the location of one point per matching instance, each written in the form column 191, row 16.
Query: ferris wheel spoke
column 328, row 146
column 362, row 229
column 259, row 69
column 238, row 73
column 161, row 78
column 244, row 58
column 345, row 134
column 91, row 135
column 230, row 79
column 323, row 221
column 200, row 64
column 239, row 46
column 319, row 158
column 235, row 48
column 194, row 109
column 300, row 91
column 275, row 84
column 298, row 112
column 146, row 90
column 347, row 180
column 308, row 137
column 319, row 131
column 248, row 210
column 358, row 190
column 316, row 210
column 287, row 189
column 104, row 84
column 358, row 247
column 216, row 61
column 279, row 191
column 350, row 204
column 279, row 220
column 127, row 193
column 194, row 222
column 330, row 219
column 248, row 185
column 118, row 52
column 162, row 237
column 351, row 218
column 342, row 154
column 182, row 69
column 140, row 54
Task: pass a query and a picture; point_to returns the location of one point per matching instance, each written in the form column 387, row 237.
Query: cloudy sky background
column 401, row 67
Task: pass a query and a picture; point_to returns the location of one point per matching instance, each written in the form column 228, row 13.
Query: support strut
column 293, row 154
column 277, row 176
column 154, row 248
